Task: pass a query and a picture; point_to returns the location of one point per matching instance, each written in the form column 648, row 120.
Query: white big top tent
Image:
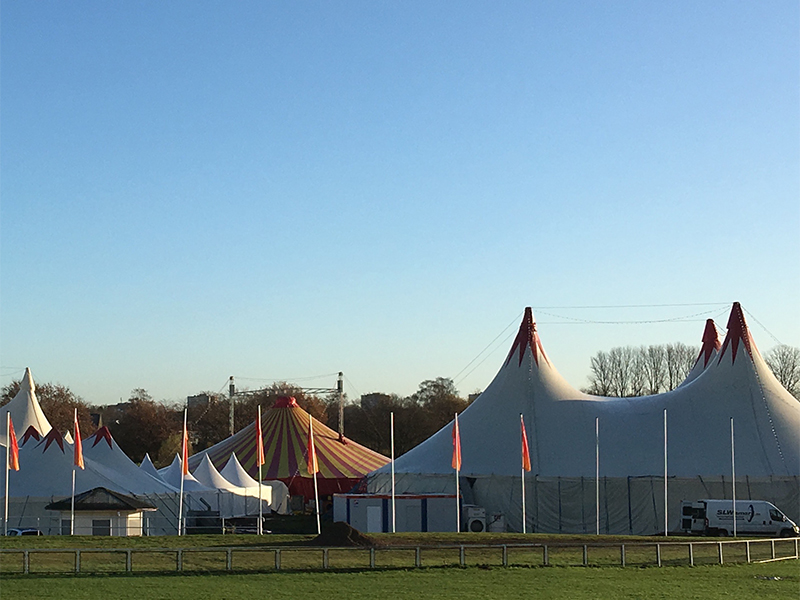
column 733, row 382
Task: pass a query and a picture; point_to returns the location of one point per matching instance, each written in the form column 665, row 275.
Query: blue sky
column 192, row 190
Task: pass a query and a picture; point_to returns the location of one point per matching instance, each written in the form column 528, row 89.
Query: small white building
column 101, row 511
column 372, row 513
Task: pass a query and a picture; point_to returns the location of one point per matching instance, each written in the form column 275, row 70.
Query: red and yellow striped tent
column 342, row 463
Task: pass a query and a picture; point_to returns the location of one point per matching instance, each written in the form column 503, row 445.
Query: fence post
column 128, row 560
column 622, row 554
column 505, row 555
column 372, row 558
column 747, row 546
column 417, row 557
column 179, row 560
column 585, row 555
column 772, row 543
column 229, row 560
column 461, row 558
column 658, row 554
column 545, row 556
column 324, row 558
column 691, row 554
column 77, row 561
column 277, row 559
column 26, row 562
column 720, row 552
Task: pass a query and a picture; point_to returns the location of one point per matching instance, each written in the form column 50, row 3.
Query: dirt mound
column 341, row 535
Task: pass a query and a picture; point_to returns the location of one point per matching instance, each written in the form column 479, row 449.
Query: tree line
column 143, row 425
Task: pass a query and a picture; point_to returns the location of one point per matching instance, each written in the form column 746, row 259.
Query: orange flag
column 313, row 467
column 259, row 442
column 185, row 448
column 78, row 443
column 13, row 447
column 456, row 462
column 526, row 456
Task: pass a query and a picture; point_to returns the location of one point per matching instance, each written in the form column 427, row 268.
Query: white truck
column 753, row 517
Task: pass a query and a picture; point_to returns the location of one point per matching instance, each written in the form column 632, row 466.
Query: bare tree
column 655, row 366
column 785, row 364
column 680, row 360
column 600, row 378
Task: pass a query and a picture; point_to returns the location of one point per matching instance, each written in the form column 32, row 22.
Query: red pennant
column 13, row 447
column 526, row 456
column 456, row 462
column 78, row 444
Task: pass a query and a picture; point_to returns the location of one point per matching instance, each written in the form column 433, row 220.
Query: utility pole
column 340, row 390
column 231, row 393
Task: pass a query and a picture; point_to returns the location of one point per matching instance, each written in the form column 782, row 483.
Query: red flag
column 185, row 448
column 78, row 443
column 259, row 442
column 313, row 467
column 526, row 456
column 13, row 447
column 456, row 462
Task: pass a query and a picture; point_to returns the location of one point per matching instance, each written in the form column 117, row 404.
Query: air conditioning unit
column 476, row 524
column 474, row 518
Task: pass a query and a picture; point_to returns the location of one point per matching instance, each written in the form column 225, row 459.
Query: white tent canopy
column 207, row 474
column 25, row 410
column 560, row 422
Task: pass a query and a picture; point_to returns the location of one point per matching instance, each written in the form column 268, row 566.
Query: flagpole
column 315, row 469
column 78, row 450
column 522, row 442
column 458, row 469
column 8, row 468
column 391, row 427
column 258, row 456
column 733, row 478
column 72, row 506
column 183, row 468
column 597, row 473
column 666, row 517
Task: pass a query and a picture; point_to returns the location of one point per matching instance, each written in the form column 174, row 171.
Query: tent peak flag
column 53, row 436
column 737, row 332
column 30, row 433
column 711, row 343
column 102, row 434
column 527, row 337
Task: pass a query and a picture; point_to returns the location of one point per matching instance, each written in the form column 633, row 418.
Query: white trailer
column 753, row 517
column 372, row 513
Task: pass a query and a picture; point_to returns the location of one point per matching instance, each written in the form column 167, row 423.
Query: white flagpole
column 733, row 478
column 258, row 454
column 522, row 472
column 666, row 517
column 458, row 469
column 72, row 504
column 597, row 473
column 391, row 425
column 8, row 468
column 180, row 502
column 316, row 468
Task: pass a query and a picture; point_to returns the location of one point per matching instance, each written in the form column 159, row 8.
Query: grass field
column 765, row 581
column 205, row 576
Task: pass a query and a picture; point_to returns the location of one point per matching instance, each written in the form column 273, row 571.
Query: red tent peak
column 30, row 432
column 102, row 434
column 53, row 436
column 737, row 332
column 711, row 343
column 527, row 337
column 285, row 402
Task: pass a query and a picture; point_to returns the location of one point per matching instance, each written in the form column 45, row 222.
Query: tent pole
column 258, row 455
column 8, row 468
column 666, row 517
column 733, row 479
column 391, row 426
column 597, row 473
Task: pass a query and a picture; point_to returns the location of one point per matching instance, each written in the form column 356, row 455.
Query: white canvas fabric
column 148, row 467
column 172, row 475
column 25, row 410
column 109, row 457
column 208, row 475
column 560, row 423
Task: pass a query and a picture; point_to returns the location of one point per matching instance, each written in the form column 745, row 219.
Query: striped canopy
column 342, row 463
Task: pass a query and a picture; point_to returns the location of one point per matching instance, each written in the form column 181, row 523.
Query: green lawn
column 774, row 580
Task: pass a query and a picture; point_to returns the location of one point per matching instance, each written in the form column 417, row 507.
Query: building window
column 101, row 526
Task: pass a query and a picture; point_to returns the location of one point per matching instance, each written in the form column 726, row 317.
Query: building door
column 374, row 519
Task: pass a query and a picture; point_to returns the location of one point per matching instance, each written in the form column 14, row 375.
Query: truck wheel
column 722, row 533
column 785, row 533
